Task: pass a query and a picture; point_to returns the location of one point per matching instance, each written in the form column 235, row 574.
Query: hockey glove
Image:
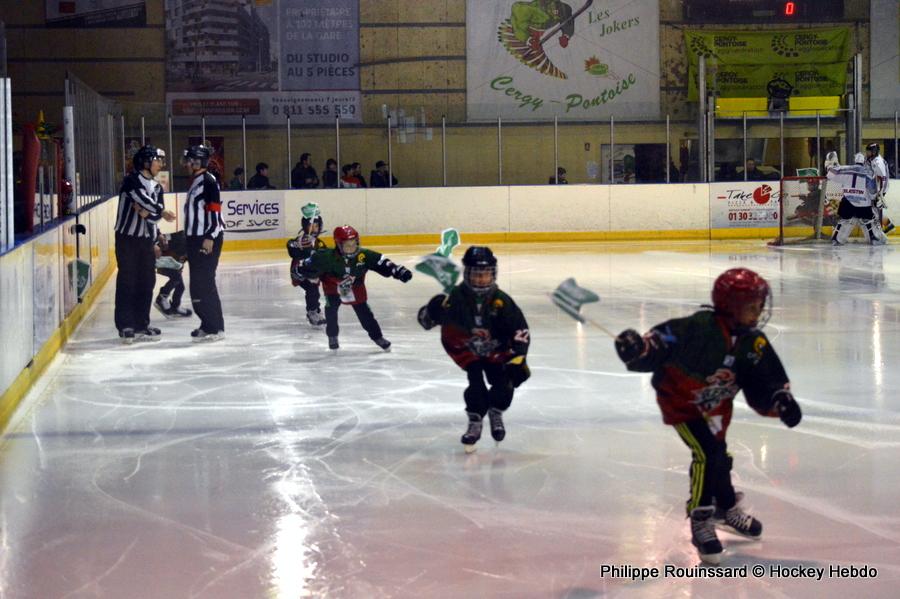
column 424, row 318
column 629, row 345
column 787, row 407
column 517, row 371
column 402, row 274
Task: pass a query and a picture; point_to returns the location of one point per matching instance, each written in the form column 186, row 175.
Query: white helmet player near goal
column 859, row 158
column 831, row 161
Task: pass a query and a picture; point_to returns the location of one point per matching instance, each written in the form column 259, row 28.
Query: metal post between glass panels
column 668, row 150
column 143, row 132
column 896, row 171
column 744, row 121
column 556, row 149
column 244, row 145
column 390, row 155
column 818, row 142
column 781, row 140
column 337, row 144
column 203, row 130
column 499, row 152
column 172, row 161
column 288, row 169
column 444, row 147
column 124, row 150
column 612, row 151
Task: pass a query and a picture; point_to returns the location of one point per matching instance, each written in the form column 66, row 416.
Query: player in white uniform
column 882, row 180
column 858, row 191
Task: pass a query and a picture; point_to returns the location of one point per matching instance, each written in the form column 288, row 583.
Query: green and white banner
column 578, row 59
column 740, row 64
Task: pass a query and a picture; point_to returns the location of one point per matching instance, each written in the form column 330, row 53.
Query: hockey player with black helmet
column 343, row 274
column 699, row 364
column 485, row 333
column 141, row 205
column 299, row 249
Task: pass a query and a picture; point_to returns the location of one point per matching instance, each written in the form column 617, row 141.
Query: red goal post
column 806, row 210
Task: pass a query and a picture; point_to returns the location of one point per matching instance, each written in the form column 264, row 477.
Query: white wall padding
column 16, row 323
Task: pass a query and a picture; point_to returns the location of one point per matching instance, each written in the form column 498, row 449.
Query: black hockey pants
column 174, row 286
column 363, row 313
column 312, row 295
column 477, row 395
column 134, row 281
column 710, row 466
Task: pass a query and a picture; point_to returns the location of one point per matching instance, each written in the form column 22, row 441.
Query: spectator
column 347, row 178
column 261, row 179
column 560, row 177
column 379, row 177
column 304, row 176
column 330, row 176
column 754, row 174
column 357, row 172
column 237, row 182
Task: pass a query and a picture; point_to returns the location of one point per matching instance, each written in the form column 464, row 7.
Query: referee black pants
column 134, row 281
column 204, row 294
column 710, row 466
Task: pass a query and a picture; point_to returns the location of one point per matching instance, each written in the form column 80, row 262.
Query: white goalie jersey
column 856, row 182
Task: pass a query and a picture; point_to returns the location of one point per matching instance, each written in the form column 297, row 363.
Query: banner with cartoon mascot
column 576, row 59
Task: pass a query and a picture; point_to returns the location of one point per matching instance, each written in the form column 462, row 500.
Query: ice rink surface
column 265, row 466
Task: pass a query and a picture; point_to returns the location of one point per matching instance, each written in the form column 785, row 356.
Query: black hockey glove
column 517, row 371
column 402, row 274
column 425, row 319
column 788, row 408
column 629, row 345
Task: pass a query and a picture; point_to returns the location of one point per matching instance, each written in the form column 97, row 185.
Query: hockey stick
column 552, row 31
column 569, row 298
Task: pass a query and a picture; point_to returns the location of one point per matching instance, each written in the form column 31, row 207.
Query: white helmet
column 859, row 158
column 831, row 161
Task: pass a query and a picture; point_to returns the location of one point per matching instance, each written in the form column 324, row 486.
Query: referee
column 204, row 230
column 140, row 208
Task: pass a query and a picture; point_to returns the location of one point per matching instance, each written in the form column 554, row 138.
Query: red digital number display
column 789, row 9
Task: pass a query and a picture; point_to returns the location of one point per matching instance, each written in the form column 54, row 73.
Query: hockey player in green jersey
column 485, row 333
column 299, row 249
column 343, row 274
column 699, row 363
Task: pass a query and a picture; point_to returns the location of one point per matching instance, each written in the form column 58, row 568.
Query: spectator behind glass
column 261, row 179
column 237, row 182
column 330, row 176
column 304, row 176
column 357, row 172
column 753, row 173
column 379, row 177
column 347, row 178
column 561, row 176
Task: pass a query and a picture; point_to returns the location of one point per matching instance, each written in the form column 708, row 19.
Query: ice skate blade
column 731, row 530
column 469, row 448
column 711, row 559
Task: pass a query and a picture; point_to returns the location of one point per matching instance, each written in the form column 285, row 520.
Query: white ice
column 266, row 466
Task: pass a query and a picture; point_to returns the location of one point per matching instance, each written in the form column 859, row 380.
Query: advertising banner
column 269, row 60
column 578, row 59
column 96, row 13
column 743, row 204
column 884, row 67
column 253, row 214
column 811, row 62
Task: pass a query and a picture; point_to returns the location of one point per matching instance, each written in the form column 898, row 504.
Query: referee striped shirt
column 203, row 208
column 138, row 191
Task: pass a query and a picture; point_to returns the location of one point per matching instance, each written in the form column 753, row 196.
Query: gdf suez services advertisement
column 744, row 204
column 253, row 214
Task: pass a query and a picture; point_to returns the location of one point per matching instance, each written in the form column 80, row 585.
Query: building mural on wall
column 575, row 59
column 263, row 60
column 884, row 74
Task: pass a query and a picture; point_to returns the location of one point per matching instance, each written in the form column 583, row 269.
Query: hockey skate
column 315, row 317
column 201, row 336
column 127, row 335
column 498, row 431
column 383, row 343
column 703, row 535
column 740, row 522
column 178, row 312
column 473, row 433
column 333, row 343
column 719, row 516
column 147, row 334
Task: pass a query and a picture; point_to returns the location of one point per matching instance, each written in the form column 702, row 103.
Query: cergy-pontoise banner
column 742, row 64
column 577, row 59
column 266, row 61
column 96, row 13
column 884, row 75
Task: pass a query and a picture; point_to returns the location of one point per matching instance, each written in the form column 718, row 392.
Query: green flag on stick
column 310, row 210
column 569, row 297
column 442, row 268
column 449, row 240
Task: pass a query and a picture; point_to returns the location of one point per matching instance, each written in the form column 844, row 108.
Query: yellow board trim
column 23, row 383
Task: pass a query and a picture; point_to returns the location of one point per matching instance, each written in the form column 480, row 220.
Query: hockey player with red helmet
column 699, row 363
column 343, row 274
column 486, row 334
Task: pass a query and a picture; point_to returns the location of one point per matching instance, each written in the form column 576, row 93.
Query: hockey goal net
column 808, row 209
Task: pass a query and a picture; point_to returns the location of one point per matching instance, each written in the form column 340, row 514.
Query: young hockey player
column 699, row 363
column 858, row 192
column 343, row 274
column 485, row 333
column 300, row 248
column 169, row 263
